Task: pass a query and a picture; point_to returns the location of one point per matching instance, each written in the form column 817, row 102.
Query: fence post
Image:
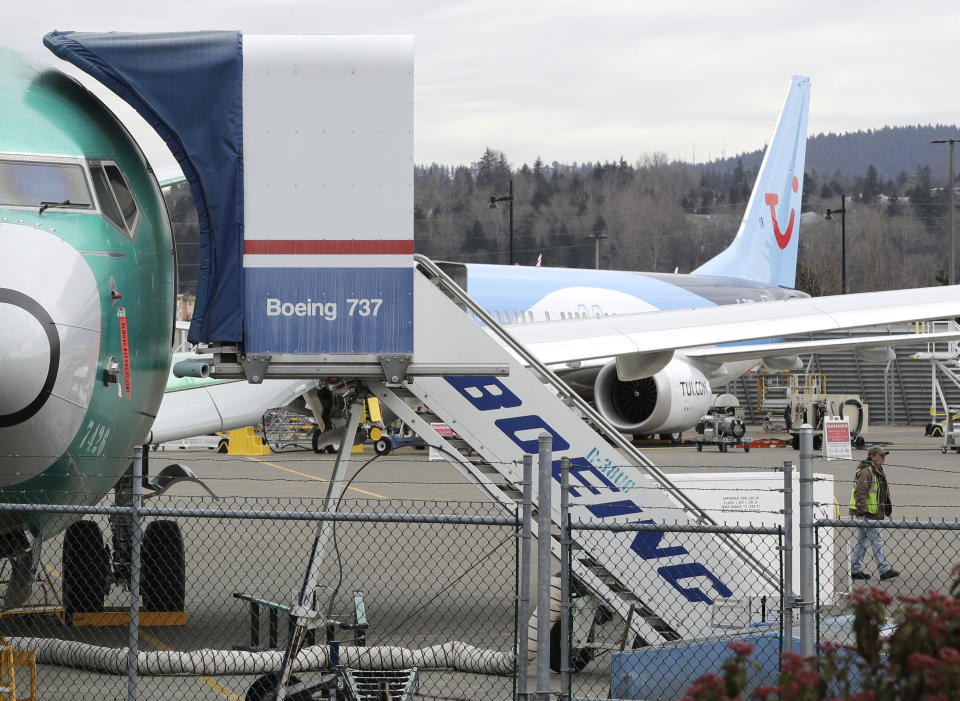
column 133, row 634
column 544, row 506
column 523, row 614
column 565, row 564
column 786, row 615
column 807, row 573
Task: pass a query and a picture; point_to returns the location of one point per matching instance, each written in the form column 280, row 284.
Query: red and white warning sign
column 442, row 429
column 836, row 438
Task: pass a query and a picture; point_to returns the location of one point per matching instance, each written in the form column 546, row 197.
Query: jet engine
column 671, row 400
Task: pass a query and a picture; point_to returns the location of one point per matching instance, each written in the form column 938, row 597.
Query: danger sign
column 836, row 438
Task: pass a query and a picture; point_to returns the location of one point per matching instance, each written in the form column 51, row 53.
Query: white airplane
column 647, row 346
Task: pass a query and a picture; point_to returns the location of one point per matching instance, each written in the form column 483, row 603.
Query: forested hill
column 651, row 214
column 891, row 150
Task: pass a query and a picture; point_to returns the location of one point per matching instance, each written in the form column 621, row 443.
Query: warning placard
column 836, row 438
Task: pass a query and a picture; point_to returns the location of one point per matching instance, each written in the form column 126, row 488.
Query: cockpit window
column 116, row 200
column 127, row 205
column 105, row 195
column 26, row 184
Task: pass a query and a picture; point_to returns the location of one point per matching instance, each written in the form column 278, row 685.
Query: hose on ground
column 455, row 655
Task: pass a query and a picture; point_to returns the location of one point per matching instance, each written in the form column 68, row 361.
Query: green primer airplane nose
column 29, row 358
column 50, row 321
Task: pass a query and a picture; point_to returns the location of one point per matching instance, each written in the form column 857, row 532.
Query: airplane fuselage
column 516, row 294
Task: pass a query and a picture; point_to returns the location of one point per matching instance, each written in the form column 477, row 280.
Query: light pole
column 596, row 249
column 508, row 199
column 843, row 239
column 953, row 237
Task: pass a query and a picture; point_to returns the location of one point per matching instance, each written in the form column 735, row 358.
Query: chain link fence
column 435, row 585
column 646, row 650
column 921, row 556
column 430, row 585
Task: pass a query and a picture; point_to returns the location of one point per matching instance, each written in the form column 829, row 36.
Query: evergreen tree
column 807, row 281
column 476, row 239
column 871, row 186
column 924, row 201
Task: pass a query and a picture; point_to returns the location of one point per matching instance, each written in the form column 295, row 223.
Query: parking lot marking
column 313, row 477
column 209, row 681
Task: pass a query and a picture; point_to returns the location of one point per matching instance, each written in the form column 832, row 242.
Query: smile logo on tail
column 773, row 199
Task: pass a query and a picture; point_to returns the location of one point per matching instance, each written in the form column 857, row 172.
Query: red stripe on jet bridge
column 328, row 247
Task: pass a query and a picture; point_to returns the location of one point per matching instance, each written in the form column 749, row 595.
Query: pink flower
column 762, row 692
column 948, row 654
column 706, row 684
column 919, row 661
column 873, row 595
column 792, row 661
column 807, row 677
column 740, row 647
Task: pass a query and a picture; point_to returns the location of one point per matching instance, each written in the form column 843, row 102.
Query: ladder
column 673, row 584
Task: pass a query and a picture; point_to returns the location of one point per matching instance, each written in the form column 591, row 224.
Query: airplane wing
column 724, row 354
column 574, row 340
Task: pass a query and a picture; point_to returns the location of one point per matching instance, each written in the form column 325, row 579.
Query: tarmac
column 224, row 556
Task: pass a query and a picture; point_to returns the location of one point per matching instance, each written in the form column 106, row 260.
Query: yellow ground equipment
column 246, row 441
column 51, row 605
column 10, row 661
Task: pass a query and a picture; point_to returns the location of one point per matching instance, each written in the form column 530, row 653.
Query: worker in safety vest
column 870, row 500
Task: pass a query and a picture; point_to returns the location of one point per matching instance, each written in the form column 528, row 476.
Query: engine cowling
column 671, row 400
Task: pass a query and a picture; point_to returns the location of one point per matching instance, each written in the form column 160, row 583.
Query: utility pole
column 508, row 199
column 596, row 249
column 843, row 239
column 953, row 231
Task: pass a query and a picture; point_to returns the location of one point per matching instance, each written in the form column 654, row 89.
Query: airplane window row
column 526, row 317
column 64, row 185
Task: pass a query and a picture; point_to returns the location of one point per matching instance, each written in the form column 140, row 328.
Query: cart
column 951, row 437
column 723, row 426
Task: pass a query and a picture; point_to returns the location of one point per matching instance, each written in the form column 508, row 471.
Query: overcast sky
column 576, row 80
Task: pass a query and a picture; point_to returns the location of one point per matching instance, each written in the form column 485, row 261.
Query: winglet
column 765, row 248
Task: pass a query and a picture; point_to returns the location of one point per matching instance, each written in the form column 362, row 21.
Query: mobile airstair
column 497, row 419
column 469, row 373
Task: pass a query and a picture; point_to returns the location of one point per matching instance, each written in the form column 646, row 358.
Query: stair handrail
column 459, row 295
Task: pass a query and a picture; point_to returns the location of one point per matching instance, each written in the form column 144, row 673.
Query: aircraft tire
column 315, row 441
column 263, row 687
column 163, row 575
column 86, row 563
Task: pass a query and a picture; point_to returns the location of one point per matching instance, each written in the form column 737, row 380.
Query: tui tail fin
column 765, row 248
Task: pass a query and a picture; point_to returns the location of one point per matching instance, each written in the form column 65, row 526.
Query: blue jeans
column 872, row 537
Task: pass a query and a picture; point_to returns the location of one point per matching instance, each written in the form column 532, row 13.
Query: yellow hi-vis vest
column 872, row 506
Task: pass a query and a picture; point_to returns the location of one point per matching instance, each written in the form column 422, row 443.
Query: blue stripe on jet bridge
column 328, row 310
column 521, row 287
